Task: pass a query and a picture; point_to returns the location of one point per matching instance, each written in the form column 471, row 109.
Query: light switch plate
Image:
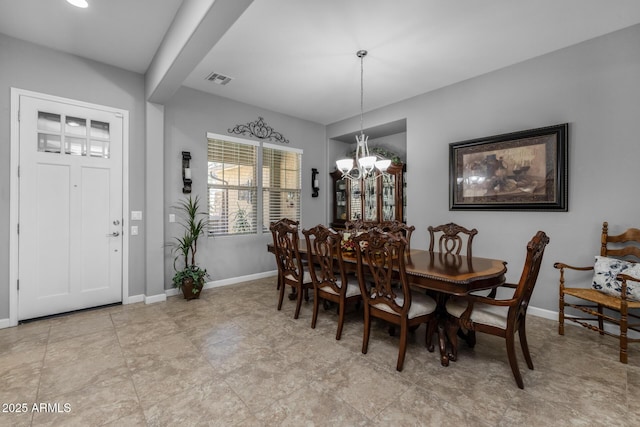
column 172, row 217
column 136, row 215
column 134, row 230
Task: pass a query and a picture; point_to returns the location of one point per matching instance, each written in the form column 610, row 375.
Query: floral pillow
column 604, row 277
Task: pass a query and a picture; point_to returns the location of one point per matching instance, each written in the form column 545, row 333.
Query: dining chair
column 399, row 228
column 285, row 221
column 501, row 317
column 291, row 270
column 378, row 255
column 449, row 238
column 329, row 275
column 615, row 285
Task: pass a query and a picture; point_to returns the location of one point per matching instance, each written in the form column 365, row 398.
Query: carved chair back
column 450, row 239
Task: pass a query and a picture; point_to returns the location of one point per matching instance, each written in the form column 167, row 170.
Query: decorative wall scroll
column 517, row 171
column 259, row 129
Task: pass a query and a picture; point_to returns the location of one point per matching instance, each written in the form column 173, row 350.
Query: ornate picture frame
column 524, row 170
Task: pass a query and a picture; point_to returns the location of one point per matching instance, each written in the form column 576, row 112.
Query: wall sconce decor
column 186, row 172
column 315, row 185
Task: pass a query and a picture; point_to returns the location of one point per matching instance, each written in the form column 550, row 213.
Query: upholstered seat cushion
column 605, row 271
column 421, row 305
column 352, row 289
column 305, row 279
column 482, row 313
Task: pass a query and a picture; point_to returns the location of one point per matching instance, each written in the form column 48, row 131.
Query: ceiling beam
column 196, row 28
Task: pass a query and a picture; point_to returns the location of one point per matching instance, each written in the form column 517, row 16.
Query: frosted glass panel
column 48, row 122
column 48, row 143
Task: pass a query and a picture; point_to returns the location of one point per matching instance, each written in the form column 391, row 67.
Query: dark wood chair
column 449, row 239
column 291, row 270
column 399, row 228
column 329, row 275
column 622, row 272
column 501, row 317
column 378, row 253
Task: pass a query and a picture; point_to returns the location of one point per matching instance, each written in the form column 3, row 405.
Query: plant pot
column 187, row 289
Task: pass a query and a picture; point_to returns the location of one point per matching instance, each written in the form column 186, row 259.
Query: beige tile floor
column 231, row 358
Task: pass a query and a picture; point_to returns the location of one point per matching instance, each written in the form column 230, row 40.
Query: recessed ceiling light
column 79, row 3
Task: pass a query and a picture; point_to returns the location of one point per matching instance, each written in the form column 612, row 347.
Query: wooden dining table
column 444, row 274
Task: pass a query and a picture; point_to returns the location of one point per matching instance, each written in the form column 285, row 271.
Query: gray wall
column 35, row 68
column 189, row 115
column 594, row 87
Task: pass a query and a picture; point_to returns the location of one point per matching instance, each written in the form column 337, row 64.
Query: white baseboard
column 134, row 299
column 155, row 298
column 5, row 323
column 226, row 282
column 544, row 313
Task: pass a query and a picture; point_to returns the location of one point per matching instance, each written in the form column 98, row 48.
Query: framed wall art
column 524, row 170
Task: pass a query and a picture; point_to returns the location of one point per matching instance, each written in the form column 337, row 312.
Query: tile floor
column 231, row 358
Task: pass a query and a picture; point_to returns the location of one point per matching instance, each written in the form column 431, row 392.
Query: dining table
column 444, row 274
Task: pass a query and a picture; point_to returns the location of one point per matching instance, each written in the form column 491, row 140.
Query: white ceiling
column 298, row 57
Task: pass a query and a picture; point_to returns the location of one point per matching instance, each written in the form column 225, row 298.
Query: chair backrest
column 286, row 249
column 378, row 254
column 623, row 246
column 359, row 225
column 451, row 241
column 398, row 228
column 529, row 276
column 324, row 252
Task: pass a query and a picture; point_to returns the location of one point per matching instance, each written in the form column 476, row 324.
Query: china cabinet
column 373, row 199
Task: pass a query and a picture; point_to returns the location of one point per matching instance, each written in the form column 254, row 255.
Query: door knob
column 114, row 234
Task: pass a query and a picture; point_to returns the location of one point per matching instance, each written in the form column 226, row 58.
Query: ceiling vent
column 218, row 78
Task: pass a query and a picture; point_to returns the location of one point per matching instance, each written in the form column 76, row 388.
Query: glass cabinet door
column 341, row 199
column 355, row 203
column 370, row 200
column 388, row 198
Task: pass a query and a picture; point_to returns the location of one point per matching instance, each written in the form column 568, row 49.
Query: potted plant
column 191, row 277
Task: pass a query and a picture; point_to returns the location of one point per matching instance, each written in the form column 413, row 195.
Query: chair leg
column 623, row 334
column 600, row 320
column 471, row 338
column 341, row 305
column 316, row 303
column 281, row 296
column 513, row 362
column 522, row 333
column 561, row 314
column 298, row 303
column 367, row 330
column 404, row 331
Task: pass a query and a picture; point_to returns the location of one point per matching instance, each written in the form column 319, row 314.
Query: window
column 281, row 184
column 234, row 199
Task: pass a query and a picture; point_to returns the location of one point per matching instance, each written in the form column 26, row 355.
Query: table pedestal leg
column 442, row 341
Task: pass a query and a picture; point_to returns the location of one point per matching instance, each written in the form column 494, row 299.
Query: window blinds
column 281, row 183
column 232, row 187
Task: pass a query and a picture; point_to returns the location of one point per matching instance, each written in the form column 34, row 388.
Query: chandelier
column 364, row 165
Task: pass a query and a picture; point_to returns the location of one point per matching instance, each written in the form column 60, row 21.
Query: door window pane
column 96, row 148
column 99, row 129
column 48, row 122
column 75, row 146
column 48, row 143
column 75, row 126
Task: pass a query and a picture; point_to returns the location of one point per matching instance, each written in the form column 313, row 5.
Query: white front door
column 70, row 207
